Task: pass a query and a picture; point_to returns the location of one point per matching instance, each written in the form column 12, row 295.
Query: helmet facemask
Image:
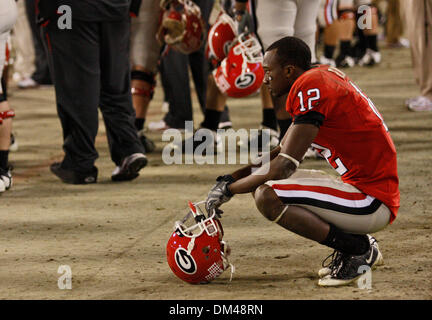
column 196, row 222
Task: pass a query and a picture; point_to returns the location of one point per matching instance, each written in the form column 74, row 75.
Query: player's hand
column 243, row 21
column 219, row 194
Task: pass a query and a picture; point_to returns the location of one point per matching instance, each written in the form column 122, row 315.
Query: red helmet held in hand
column 182, row 27
column 195, row 251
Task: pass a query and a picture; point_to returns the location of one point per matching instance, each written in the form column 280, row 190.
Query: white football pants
column 281, row 18
column 334, row 201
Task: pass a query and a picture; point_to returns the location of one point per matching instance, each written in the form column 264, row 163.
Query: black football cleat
column 346, row 269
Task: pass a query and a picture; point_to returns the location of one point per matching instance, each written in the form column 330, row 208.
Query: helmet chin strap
column 232, row 271
column 191, row 245
column 226, row 261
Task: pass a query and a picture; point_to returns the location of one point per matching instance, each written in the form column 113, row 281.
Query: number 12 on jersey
column 313, row 95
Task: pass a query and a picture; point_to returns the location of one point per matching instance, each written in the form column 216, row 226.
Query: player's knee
column 260, row 196
column 143, row 83
column 267, row 201
column 5, row 112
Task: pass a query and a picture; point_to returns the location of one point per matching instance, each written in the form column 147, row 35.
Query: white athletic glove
column 219, row 194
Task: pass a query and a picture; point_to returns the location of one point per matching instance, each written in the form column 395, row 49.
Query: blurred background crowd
column 111, row 55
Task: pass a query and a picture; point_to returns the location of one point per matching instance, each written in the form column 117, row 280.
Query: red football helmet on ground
column 220, row 37
column 196, row 253
column 182, row 27
column 241, row 73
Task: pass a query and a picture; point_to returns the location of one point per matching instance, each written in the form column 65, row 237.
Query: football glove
column 219, row 194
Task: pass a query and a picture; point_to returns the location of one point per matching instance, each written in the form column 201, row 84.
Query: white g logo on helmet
column 245, row 80
column 185, row 261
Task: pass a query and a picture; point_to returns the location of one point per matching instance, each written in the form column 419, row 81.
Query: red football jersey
column 353, row 136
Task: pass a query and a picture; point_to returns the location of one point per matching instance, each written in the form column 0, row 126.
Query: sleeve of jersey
column 308, row 102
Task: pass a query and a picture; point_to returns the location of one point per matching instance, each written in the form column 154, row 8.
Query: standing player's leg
column 73, row 52
column 8, row 16
column 145, row 54
column 331, row 38
column 394, row 25
column 118, row 113
column 327, row 19
column 305, row 24
column 6, row 114
column 346, row 31
column 418, row 19
column 275, row 20
column 368, row 23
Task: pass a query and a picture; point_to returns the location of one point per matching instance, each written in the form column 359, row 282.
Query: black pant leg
column 176, row 75
column 115, row 95
column 197, row 61
column 176, row 78
column 164, row 82
column 200, row 72
column 200, row 67
column 41, row 74
column 74, row 61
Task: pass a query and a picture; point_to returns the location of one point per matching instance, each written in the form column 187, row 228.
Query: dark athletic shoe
column 130, row 167
column 74, row 177
column 327, row 268
column 5, row 179
column 346, row 269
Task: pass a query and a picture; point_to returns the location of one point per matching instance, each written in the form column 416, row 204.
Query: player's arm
column 287, row 158
column 296, row 142
column 219, row 192
column 247, row 170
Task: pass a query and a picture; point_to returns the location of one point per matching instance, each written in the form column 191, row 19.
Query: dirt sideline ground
column 113, row 235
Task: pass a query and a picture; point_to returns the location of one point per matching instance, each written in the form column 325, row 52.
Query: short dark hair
column 292, row 50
